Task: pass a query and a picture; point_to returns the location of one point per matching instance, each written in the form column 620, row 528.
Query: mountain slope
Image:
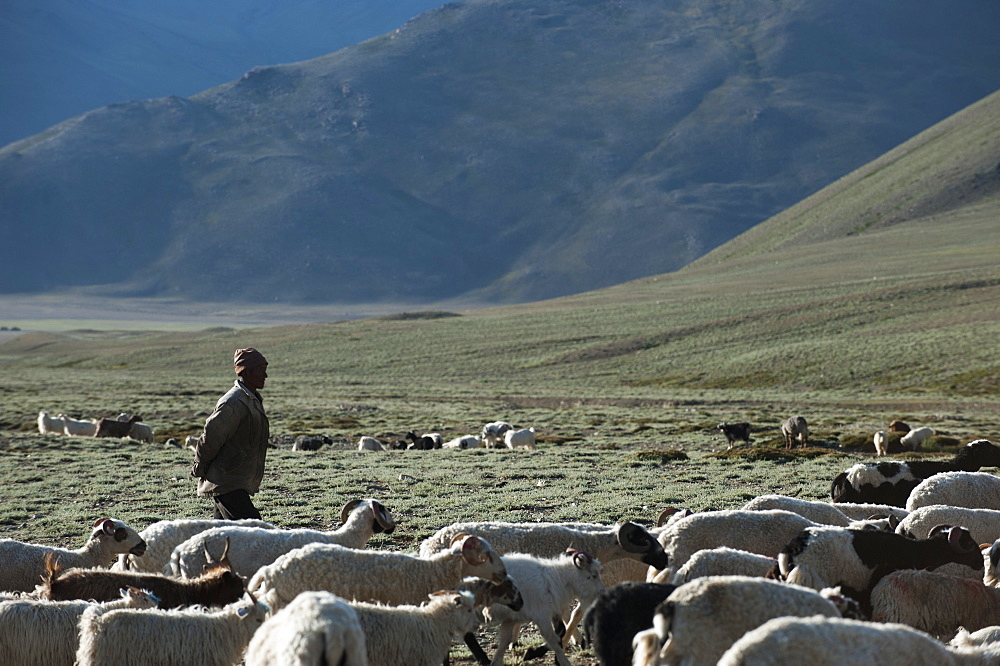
column 62, row 58
column 491, row 151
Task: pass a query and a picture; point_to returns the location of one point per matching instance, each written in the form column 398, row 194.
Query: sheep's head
column 963, row 546
column 383, row 520
column 479, row 558
column 123, row 539
column 634, row 539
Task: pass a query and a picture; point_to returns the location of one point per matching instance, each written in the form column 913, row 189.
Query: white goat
column 916, row 437
column 254, row 547
column 416, row 635
column 78, row 428
column 881, row 441
column 24, row 563
column 44, row 633
column 51, row 425
column 315, row 628
column 549, row 586
column 520, row 439
column 389, row 577
column 367, row 443
column 169, row 638
column 493, row 433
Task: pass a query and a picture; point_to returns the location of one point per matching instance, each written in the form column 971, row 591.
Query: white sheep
column 826, row 641
column 864, row 511
column 164, row 535
column 762, row 532
column 51, row 425
column 390, row 577
column 254, row 547
column 549, row 587
column 881, row 441
column 179, row 637
column 191, row 442
column 77, row 427
column 367, row 443
column 463, row 442
column 493, row 433
column 140, row 432
column 984, row 636
column 935, row 602
column 916, row 437
column 702, row 618
column 520, row 439
column 722, row 561
column 975, row 490
column 983, row 524
column 416, row 635
column 44, row 633
column 315, row 628
column 24, row 563
column 821, row 513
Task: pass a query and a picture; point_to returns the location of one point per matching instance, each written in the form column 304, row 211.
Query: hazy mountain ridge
column 496, row 150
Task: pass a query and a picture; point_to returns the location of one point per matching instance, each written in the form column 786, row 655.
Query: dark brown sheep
column 217, row 586
column 115, row 428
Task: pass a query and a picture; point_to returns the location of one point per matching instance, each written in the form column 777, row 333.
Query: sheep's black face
column 138, row 549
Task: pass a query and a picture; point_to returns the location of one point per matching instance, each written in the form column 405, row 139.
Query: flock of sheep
column 124, row 425
column 902, row 565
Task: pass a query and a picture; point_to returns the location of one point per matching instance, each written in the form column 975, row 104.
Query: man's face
column 253, row 378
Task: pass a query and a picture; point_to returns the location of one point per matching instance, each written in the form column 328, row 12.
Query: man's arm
column 219, row 427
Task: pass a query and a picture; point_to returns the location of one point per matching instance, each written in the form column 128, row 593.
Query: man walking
column 229, row 456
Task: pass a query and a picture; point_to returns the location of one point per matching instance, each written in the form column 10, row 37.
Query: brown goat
column 115, row 428
column 217, row 586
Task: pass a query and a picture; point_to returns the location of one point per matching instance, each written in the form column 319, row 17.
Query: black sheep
column 617, row 615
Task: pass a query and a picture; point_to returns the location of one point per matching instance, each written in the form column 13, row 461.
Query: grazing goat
column 795, row 427
column 735, row 432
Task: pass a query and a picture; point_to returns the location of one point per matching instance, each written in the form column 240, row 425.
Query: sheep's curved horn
column 458, row 537
column 348, row 508
column 665, row 514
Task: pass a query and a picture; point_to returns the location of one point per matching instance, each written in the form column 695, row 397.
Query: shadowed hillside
column 491, row 151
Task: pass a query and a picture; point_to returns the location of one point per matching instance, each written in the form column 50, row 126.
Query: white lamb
column 178, row 637
column 826, row 641
column 416, row 635
column 367, row 443
column 24, row 563
column 389, row 577
column 701, row 619
column 975, row 490
column 549, row 587
column 821, row 513
column 51, row 425
column 315, row 628
column 881, row 441
column 983, row 524
column 254, row 547
column 520, row 439
column 164, row 535
column 44, row 633
column 916, row 437
column 77, row 427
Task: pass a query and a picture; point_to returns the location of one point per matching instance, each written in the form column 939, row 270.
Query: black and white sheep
column 617, row 615
column 549, row 587
column 856, row 560
column 795, row 427
column 830, row 641
column 311, row 442
column 24, row 564
column 892, row 482
column 735, row 432
column 177, row 637
column 44, row 633
column 701, row 619
column 315, row 628
column 975, row 490
column 383, row 576
column 424, row 442
column 254, row 547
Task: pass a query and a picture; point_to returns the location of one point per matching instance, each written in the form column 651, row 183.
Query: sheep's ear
column 633, row 538
column 474, row 550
